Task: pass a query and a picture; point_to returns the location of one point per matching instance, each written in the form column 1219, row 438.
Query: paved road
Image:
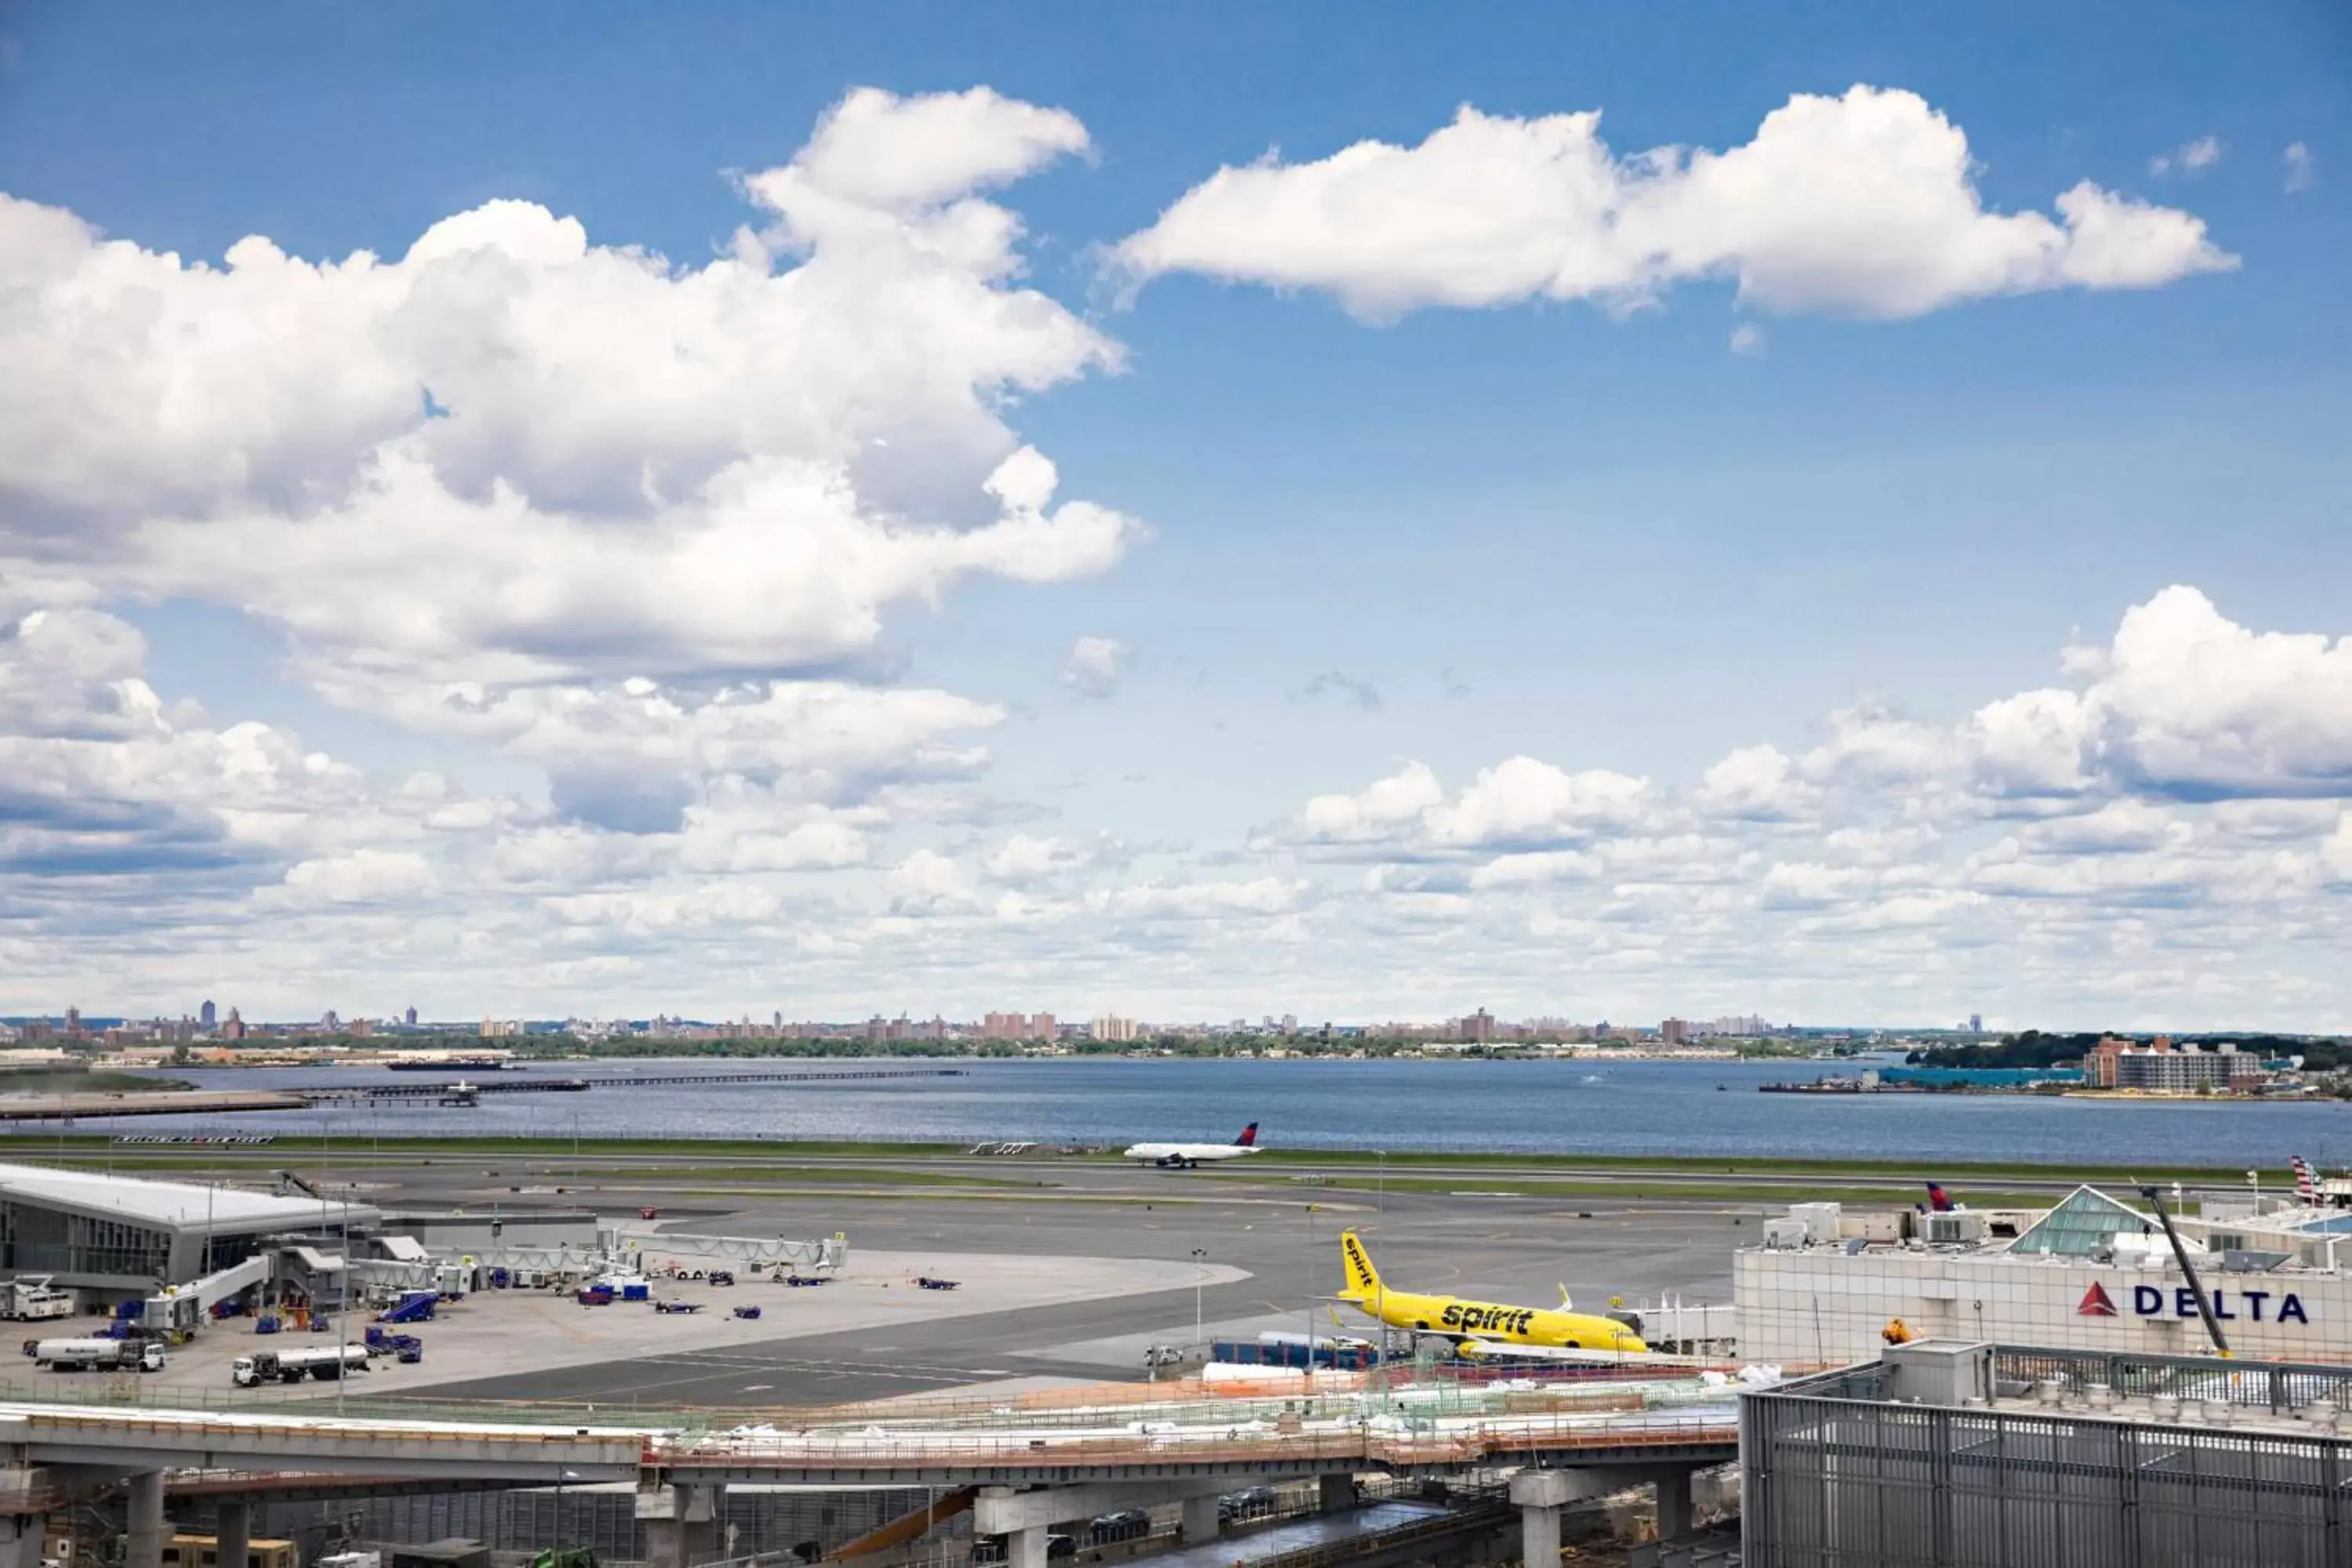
column 1506, row 1249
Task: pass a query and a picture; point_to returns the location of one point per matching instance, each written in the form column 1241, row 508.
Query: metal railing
column 2019, row 1371
column 2278, row 1386
column 1371, row 1445
column 1189, row 1400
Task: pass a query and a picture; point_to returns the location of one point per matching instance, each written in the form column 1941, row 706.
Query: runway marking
column 846, row 1368
column 815, row 1373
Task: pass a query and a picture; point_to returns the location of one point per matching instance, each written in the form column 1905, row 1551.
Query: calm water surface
column 1624, row 1108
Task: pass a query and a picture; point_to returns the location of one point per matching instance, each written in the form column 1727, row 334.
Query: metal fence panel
column 1839, row 1483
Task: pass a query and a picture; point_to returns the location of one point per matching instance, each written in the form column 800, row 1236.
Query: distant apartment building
column 408, row 1018
column 2101, row 1066
column 1112, row 1028
column 2187, row 1070
column 2158, row 1066
column 1016, row 1026
column 1674, row 1032
column 501, row 1028
column 1476, row 1029
column 208, row 1016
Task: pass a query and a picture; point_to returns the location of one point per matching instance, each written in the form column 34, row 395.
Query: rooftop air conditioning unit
column 1959, row 1228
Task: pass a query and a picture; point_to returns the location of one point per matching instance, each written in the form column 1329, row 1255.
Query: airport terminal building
column 110, row 1237
column 2092, row 1273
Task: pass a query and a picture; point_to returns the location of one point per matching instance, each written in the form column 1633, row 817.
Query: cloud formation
column 1095, row 666
column 638, row 530
column 2189, row 158
column 629, row 521
column 2302, row 168
column 1862, row 204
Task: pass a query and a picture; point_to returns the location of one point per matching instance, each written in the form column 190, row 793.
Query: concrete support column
column 142, row 1535
column 1538, row 1536
column 1540, row 1495
column 233, row 1528
column 1027, row 1548
column 1199, row 1522
column 20, row 1540
column 1674, row 1504
column 25, row 1499
column 1335, row 1493
column 681, row 1525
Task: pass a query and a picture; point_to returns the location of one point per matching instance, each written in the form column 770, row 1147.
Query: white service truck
column 98, row 1355
column 325, row 1362
column 31, row 1299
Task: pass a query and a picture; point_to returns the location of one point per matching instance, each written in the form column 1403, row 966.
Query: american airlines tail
column 1248, row 1140
column 2306, row 1182
column 1363, row 1280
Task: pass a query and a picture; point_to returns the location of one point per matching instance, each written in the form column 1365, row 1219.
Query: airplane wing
column 1494, row 1351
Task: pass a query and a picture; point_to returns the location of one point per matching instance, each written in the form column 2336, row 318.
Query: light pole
column 1200, row 1269
column 344, row 1309
column 1307, row 1308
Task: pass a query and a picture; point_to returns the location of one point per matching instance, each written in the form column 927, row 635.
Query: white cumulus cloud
column 1862, row 204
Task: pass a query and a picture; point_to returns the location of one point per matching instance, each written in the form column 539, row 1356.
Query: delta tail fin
column 1938, row 1199
column 1363, row 1280
column 1248, row 1140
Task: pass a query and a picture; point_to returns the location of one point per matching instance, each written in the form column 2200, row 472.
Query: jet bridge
column 187, row 1306
column 823, row 1255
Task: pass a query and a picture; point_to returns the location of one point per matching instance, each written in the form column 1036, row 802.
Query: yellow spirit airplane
column 1476, row 1325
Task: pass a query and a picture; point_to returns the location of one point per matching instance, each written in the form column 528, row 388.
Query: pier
column 465, row 1091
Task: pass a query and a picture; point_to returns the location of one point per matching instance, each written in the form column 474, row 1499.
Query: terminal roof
column 181, row 1203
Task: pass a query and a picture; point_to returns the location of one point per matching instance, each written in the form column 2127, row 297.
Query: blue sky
column 1575, row 527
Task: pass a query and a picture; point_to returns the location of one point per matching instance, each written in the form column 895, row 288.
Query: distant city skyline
column 1338, row 511
column 1478, row 1026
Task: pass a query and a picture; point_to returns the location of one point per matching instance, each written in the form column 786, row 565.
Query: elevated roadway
column 1033, row 1467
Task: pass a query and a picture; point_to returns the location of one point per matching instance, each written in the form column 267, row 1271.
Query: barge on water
column 1868, row 1083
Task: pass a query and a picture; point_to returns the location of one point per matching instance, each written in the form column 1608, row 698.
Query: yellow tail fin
column 1363, row 1280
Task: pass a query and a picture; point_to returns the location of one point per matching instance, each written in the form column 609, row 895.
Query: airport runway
column 1503, row 1247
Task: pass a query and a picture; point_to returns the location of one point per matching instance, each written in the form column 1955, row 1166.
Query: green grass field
column 839, row 1163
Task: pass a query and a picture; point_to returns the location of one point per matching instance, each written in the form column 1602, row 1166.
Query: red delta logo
column 2095, row 1303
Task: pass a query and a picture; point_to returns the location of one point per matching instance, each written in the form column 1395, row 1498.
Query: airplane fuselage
column 1497, row 1323
column 1176, row 1154
column 1464, row 1321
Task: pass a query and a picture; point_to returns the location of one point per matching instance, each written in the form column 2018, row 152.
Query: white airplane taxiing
column 1184, row 1156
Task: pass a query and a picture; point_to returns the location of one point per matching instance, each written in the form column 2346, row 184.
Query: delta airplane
column 1478, row 1327
column 1186, row 1156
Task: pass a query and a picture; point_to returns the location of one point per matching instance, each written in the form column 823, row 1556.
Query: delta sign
column 2181, row 1301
